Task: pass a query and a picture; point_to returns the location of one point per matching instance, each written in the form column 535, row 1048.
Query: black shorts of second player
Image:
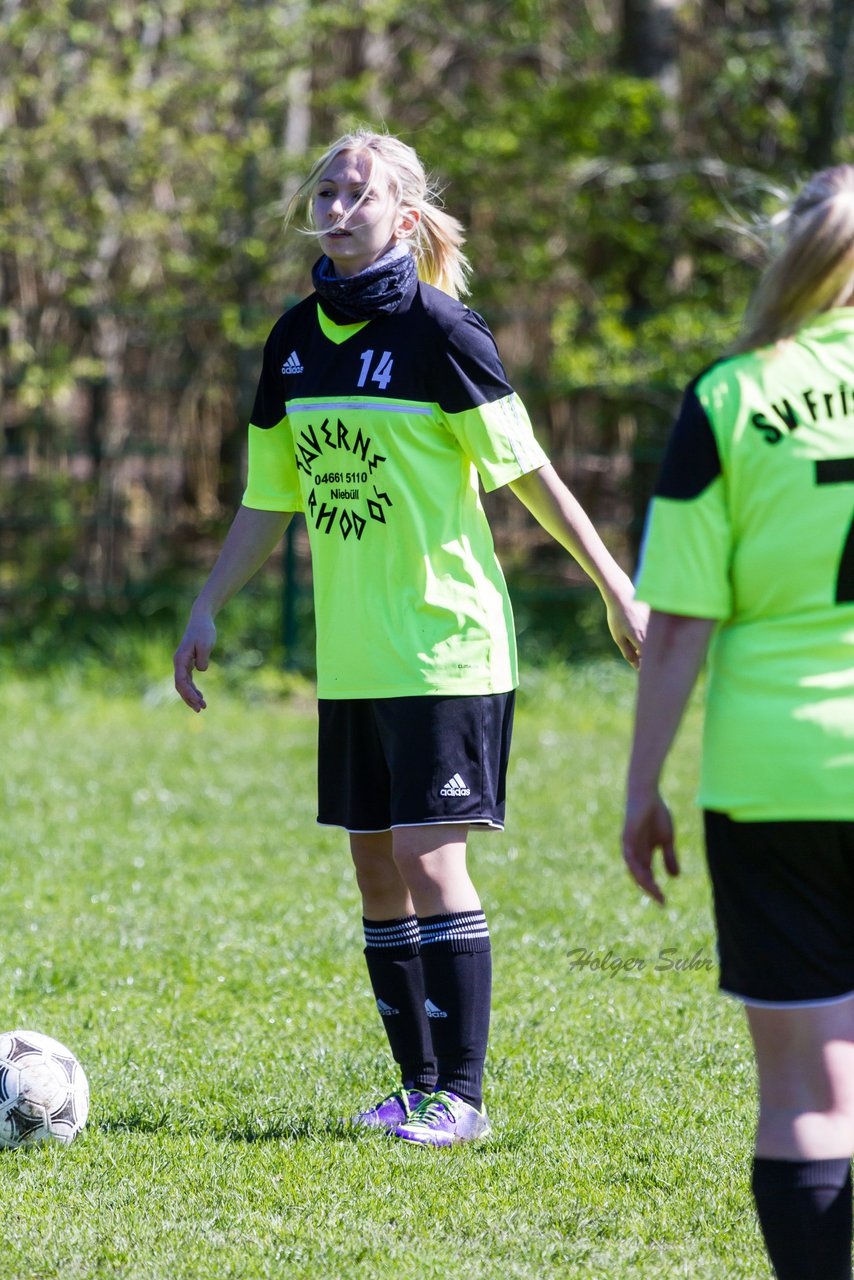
column 784, row 906
column 409, row 762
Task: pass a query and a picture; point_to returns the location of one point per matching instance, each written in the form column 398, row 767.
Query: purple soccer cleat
column 443, row 1119
column 392, row 1111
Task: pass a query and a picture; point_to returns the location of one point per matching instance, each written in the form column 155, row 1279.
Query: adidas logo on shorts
column 433, row 1011
column 386, row 1010
column 292, row 364
column 455, row 787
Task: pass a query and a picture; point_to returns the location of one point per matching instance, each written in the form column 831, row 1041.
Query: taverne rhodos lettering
column 308, row 446
column 329, row 515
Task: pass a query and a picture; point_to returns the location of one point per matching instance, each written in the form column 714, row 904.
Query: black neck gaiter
column 378, row 290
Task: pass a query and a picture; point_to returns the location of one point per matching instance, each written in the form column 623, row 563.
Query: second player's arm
column 250, row 540
column 554, row 507
column 673, row 656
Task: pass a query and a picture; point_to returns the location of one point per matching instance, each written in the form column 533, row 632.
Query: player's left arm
column 674, row 651
column 553, row 506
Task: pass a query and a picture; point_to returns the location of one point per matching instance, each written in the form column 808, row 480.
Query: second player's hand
column 193, row 654
column 649, row 826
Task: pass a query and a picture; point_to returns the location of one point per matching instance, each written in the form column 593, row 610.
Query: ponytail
column 438, row 250
column 814, row 271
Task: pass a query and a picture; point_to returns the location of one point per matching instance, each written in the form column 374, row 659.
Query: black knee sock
column 457, row 963
column 393, row 956
column 804, row 1209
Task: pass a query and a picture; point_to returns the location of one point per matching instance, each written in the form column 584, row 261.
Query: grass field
column 172, row 913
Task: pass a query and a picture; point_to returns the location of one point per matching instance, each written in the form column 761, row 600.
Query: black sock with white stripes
column 804, row 1209
column 393, row 956
column 457, row 962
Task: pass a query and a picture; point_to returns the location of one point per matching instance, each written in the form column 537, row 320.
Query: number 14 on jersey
column 382, row 370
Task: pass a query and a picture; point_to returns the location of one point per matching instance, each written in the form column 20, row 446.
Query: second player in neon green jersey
column 750, row 543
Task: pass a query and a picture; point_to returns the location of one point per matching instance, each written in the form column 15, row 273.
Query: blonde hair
column 814, row 270
column 438, row 238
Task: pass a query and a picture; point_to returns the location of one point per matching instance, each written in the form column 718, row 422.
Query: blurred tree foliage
column 610, row 158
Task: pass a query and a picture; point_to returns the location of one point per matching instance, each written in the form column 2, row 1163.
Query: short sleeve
column 269, row 406
column 499, row 440
column 472, row 371
column 272, row 482
column 687, row 546
column 482, row 410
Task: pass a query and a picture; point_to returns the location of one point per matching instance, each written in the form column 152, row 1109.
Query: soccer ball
column 44, row 1093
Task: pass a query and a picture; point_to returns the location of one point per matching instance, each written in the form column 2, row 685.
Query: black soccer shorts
column 784, row 905
column 404, row 762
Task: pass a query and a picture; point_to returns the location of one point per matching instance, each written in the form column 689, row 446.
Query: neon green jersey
column 753, row 524
column 380, row 431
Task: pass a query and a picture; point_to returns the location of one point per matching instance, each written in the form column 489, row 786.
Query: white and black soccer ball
column 44, row 1093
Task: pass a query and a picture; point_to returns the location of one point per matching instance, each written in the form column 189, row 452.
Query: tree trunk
column 648, row 47
column 649, row 50
column 828, row 114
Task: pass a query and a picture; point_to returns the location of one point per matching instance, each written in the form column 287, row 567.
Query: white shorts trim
column 788, row 1004
column 487, row 824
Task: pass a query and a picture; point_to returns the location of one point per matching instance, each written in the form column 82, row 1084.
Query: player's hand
column 627, row 622
column 649, row 826
column 193, row 654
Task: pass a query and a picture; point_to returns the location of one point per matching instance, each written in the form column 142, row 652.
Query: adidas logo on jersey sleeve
column 292, row 364
column 455, row 787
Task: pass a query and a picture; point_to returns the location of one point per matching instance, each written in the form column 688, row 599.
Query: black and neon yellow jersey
column 753, row 525
column 380, row 431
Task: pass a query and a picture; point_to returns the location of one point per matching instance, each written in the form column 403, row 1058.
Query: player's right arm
column 250, row 540
column 674, row 652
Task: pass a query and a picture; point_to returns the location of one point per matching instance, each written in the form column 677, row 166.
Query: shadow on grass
column 228, row 1128
column 282, row 1128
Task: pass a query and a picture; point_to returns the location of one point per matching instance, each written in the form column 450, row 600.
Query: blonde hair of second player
column 438, row 239
column 814, row 270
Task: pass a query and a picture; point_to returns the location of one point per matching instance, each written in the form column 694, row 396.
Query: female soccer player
column 381, row 402
column 750, row 544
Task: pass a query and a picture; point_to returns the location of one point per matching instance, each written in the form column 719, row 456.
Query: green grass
column 172, row 913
